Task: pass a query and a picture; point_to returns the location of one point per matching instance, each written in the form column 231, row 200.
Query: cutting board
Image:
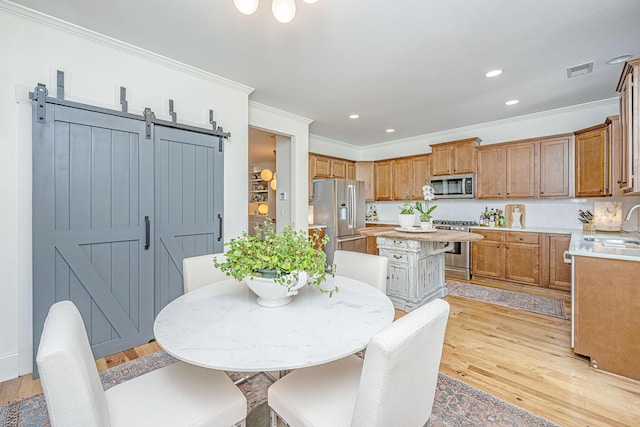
column 508, row 214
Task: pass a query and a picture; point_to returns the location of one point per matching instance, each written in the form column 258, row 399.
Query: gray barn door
column 92, row 187
column 188, row 204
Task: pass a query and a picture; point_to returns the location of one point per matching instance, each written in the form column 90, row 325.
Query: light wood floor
column 521, row 357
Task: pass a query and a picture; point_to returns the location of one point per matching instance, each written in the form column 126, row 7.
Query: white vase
column 406, row 220
column 274, row 294
column 426, row 225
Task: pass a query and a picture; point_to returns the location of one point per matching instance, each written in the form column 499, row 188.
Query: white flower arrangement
column 429, row 194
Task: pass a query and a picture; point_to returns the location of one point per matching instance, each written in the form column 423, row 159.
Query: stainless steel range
column 457, row 261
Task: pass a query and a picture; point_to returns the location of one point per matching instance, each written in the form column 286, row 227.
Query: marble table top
column 221, row 326
column 436, row 236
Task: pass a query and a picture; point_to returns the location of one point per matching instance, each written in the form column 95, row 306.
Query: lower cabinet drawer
column 398, row 258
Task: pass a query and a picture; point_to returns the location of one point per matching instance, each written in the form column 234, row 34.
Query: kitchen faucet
column 628, row 217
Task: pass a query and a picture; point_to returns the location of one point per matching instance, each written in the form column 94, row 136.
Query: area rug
column 456, row 404
column 534, row 303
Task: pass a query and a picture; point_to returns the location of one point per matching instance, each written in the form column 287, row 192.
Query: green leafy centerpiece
column 275, row 266
column 407, row 216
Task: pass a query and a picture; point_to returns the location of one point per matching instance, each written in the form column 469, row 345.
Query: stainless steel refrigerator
column 339, row 204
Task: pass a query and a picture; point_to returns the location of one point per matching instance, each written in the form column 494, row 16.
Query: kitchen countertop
column 316, row 226
column 554, row 230
column 581, row 247
column 436, row 236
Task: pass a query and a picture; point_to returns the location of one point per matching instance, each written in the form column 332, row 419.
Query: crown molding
column 58, row 24
column 271, row 110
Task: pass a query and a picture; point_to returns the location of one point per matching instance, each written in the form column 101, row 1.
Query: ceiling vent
column 580, row 70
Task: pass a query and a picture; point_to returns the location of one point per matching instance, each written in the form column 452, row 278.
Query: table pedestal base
column 415, row 272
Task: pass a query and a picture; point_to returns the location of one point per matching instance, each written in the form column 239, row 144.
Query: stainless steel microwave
column 453, row 186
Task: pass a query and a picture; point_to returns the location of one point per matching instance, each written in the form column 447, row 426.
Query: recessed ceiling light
column 354, row 116
column 618, row 59
column 493, row 73
column 512, row 102
column 390, row 130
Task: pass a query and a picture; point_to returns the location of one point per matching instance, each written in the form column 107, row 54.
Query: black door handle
column 219, row 227
column 147, row 232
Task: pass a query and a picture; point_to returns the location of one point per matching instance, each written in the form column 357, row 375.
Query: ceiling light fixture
column 618, row 59
column 493, row 73
column 354, row 116
column 283, row 10
column 390, row 130
column 512, row 102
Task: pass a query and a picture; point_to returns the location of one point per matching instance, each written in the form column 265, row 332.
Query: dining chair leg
column 273, row 419
column 245, row 379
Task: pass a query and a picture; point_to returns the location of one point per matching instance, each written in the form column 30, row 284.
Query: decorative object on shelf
column 273, row 183
column 608, row 216
column 283, row 10
column 289, row 258
column 266, row 174
column 513, row 212
column 425, row 213
column 263, row 209
column 407, row 216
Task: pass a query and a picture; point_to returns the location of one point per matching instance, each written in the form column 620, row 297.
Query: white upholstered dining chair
column 371, row 269
column 177, row 395
column 394, row 386
column 198, row 271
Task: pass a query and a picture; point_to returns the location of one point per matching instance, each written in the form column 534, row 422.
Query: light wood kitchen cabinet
column 619, row 168
column 401, row 178
column 455, row 157
column 520, row 170
column 351, row 170
column 534, row 168
column 522, row 260
column 555, row 167
column 507, row 255
column 559, row 271
column 629, row 88
column 364, row 171
column 592, row 162
column 606, row 304
column 338, row 168
column 321, row 167
column 382, row 177
column 408, row 175
column 420, row 174
column 490, row 177
column 487, row 255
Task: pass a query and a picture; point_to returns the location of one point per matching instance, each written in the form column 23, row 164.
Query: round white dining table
column 220, row 326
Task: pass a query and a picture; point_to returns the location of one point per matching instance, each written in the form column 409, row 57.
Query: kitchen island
column 415, row 274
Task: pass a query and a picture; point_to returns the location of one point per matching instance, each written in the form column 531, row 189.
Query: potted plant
column 276, row 265
column 425, row 211
column 407, row 216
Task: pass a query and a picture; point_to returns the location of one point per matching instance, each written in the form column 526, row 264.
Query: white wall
column 33, row 48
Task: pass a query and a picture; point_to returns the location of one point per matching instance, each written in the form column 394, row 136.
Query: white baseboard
column 8, row 366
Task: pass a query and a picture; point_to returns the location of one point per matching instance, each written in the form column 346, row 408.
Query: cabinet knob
column 620, row 181
column 498, row 246
column 542, row 192
column 507, row 247
column 521, row 238
column 397, row 256
column 601, row 190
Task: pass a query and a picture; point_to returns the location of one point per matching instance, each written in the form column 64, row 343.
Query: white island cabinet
column 415, row 272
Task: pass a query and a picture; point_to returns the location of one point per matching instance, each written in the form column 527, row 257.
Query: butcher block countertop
column 436, row 236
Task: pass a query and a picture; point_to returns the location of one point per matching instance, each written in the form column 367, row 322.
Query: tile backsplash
column 555, row 213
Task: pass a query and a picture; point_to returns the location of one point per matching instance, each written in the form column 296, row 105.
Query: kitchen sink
column 616, row 242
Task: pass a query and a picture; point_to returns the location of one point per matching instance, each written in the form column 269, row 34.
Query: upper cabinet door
column 592, row 162
column 554, row 166
column 322, row 167
column 420, row 176
column 490, row 177
column 383, row 180
column 364, row 172
column 464, row 157
column 441, row 160
column 338, row 168
column 401, row 179
column 520, row 168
